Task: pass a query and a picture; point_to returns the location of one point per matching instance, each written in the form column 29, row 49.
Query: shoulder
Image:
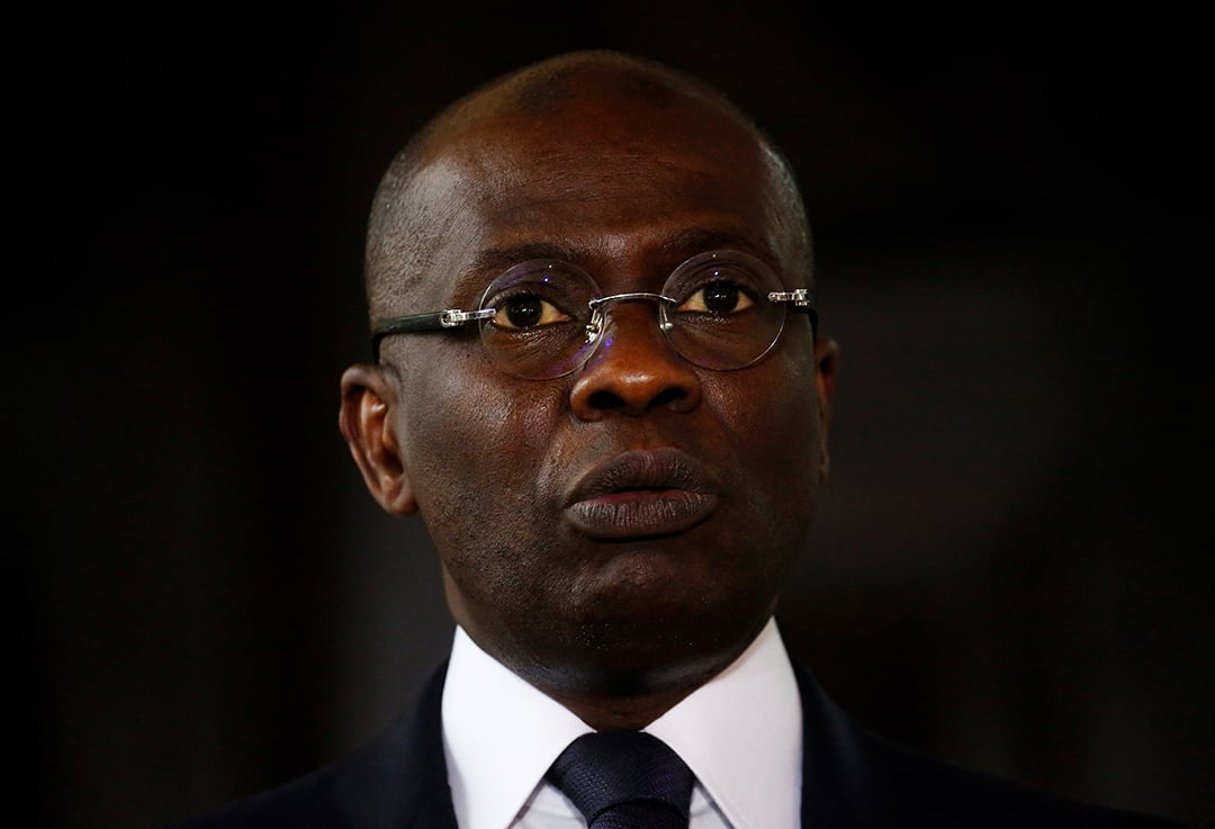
column 912, row 789
column 854, row 778
column 397, row 780
column 310, row 801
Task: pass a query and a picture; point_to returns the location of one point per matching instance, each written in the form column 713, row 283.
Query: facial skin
column 543, row 497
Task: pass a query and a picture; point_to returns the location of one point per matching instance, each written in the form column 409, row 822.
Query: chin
column 654, row 649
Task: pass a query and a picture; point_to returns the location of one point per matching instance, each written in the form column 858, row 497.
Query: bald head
column 612, row 95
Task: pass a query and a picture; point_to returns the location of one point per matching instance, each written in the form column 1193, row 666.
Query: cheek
column 776, row 410
column 471, row 439
column 774, row 417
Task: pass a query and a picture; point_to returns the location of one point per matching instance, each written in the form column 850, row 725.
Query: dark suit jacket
column 851, row 779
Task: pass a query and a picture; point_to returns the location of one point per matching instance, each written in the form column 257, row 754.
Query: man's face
column 629, row 524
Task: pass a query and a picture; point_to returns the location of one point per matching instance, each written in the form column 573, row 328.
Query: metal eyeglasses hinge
column 800, row 297
column 454, row 316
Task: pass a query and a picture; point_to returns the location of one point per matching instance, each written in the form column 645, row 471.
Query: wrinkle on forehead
column 604, row 177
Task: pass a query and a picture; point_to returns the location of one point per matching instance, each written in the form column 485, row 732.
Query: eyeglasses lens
column 721, row 318
column 718, row 315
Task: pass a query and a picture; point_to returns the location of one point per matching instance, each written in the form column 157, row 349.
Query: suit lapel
column 836, row 779
column 399, row 781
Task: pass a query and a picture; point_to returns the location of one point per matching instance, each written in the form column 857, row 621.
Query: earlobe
column 366, row 421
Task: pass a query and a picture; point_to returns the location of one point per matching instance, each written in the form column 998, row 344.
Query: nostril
column 608, row 400
column 605, row 400
column 671, row 394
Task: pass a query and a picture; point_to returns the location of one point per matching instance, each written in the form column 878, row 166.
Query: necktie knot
column 624, row 779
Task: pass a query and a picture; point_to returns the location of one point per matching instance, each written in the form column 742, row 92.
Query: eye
column 526, row 310
column 718, row 296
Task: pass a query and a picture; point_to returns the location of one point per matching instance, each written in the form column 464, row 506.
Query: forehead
column 611, row 181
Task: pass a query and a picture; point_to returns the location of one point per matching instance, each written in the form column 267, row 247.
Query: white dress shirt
column 740, row 734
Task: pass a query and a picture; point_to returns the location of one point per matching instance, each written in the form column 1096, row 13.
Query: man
column 599, row 381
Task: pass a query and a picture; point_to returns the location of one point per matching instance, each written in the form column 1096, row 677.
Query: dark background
column 1011, row 566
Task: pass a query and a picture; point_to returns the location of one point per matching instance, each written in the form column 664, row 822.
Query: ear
column 826, row 363
column 369, row 399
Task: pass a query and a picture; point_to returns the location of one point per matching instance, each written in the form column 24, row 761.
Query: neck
column 624, row 700
column 619, row 697
column 631, row 713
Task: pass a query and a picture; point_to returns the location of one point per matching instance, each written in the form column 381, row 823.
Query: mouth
column 641, row 494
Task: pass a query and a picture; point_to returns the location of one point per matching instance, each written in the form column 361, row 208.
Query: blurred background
column 1008, row 569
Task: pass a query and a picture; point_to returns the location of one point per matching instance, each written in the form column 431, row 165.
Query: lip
column 640, row 494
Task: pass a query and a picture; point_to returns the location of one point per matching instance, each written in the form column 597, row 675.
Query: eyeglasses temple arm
column 420, row 323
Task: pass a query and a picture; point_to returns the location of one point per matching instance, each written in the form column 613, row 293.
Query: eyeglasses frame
column 798, row 299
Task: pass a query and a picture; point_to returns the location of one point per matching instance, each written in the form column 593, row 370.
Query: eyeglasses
column 543, row 319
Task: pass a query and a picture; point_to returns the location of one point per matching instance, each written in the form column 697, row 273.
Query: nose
column 634, row 370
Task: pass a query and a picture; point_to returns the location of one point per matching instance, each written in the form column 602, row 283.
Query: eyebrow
column 492, row 262
column 699, row 240
column 691, row 241
column 497, row 260
column 681, row 245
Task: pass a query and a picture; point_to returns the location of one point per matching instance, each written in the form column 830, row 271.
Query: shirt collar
column 500, row 735
column 740, row 733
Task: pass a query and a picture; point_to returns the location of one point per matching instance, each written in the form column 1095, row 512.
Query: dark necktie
column 624, row 780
